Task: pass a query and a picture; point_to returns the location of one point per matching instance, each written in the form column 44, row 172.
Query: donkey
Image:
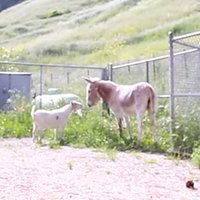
column 124, row 101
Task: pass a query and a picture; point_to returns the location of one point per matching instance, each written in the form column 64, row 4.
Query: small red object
column 190, row 184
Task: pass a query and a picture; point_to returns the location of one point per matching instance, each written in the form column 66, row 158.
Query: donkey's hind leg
column 153, row 126
column 139, row 117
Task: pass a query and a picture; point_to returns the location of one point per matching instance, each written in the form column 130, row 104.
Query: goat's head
column 76, row 106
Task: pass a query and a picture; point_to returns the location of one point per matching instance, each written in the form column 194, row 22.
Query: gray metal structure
column 14, row 82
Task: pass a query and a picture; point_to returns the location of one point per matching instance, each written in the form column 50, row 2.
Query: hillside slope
column 95, row 31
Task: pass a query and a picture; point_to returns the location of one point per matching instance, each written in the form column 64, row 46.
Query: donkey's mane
column 105, row 89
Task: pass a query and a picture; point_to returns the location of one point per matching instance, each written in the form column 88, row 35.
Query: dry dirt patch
column 28, row 172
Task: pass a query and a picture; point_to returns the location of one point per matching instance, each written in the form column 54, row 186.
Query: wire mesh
column 186, row 72
column 130, row 74
column 61, row 79
column 155, row 71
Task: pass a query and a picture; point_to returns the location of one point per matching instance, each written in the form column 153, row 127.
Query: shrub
column 15, row 124
column 9, row 55
column 16, row 120
column 54, row 13
column 196, row 156
column 98, row 130
column 186, row 131
column 92, row 130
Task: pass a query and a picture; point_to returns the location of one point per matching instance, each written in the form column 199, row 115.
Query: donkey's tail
column 152, row 101
column 151, row 110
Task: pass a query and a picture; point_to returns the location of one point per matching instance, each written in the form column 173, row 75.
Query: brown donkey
column 124, row 101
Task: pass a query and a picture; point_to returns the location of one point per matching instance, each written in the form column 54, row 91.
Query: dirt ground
column 28, row 172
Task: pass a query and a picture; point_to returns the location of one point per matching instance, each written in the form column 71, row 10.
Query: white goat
column 53, row 119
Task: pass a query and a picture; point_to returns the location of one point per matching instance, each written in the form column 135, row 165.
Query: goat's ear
column 72, row 104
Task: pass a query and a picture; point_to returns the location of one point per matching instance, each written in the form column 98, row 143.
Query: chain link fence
column 175, row 76
column 48, row 78
column 155, row 71
column 184, row 77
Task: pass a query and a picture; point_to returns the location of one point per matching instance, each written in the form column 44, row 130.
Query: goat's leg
column 33, row 132
column 36, row 134
column 55, row 134
column 58, row 133
column 62, row 133
column 39, row 136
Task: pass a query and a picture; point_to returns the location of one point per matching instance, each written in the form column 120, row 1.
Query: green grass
column 54, row 13
column 196, row 156
column 15, row 124
column 95, row 129
column 98, row 130
column 186, row 137
column 80, row 31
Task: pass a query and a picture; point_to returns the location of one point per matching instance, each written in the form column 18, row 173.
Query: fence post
column 68, row 74
column 147, row 71
column 171, row 83
column 105, row 76
column 41, row 86
column 110, row 67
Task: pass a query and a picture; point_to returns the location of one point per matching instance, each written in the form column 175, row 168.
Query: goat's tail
column 33, row 111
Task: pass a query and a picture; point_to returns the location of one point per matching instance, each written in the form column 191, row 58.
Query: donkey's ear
column 88, row 79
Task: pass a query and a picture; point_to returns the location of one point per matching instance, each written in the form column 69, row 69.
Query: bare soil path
column 31, row 173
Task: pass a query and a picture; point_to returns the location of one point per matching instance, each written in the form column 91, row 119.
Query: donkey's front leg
column 127, row 120
column 120, row 127
column 119, row 120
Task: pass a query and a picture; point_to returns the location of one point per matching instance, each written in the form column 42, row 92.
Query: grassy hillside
column 95, row 31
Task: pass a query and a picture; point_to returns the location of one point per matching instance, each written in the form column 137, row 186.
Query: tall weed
column 97, row 129
column 187, row 133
